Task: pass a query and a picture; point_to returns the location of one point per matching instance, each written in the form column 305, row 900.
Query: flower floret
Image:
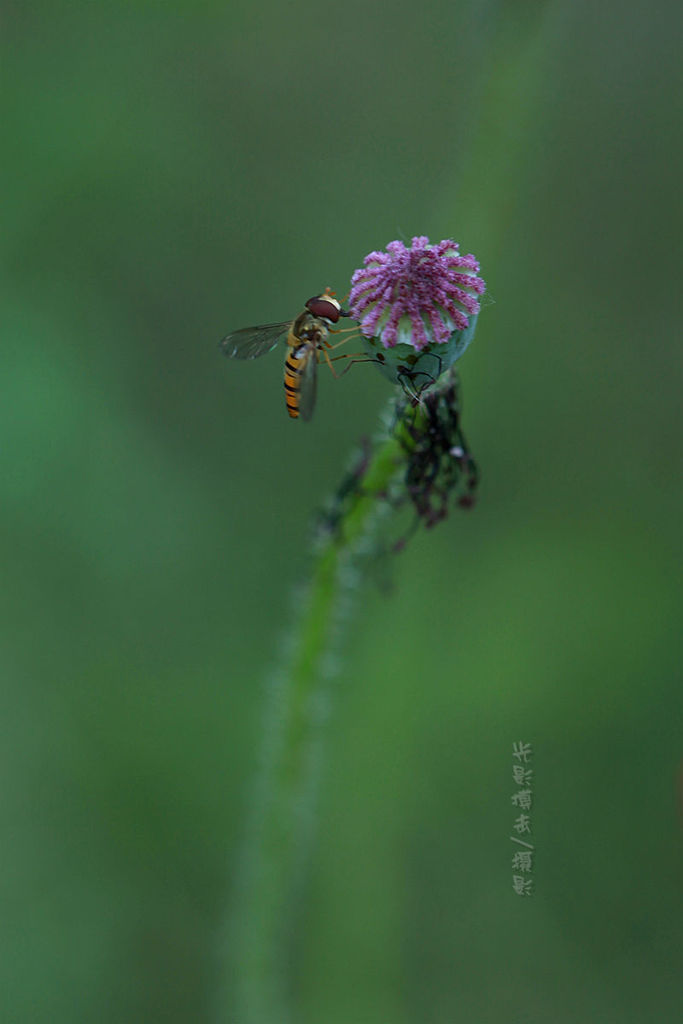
column 418, row 296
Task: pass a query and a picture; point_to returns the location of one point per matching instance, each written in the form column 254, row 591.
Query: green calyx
column 403, row 361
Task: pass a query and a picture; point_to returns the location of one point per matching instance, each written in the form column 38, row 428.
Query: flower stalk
column 279, row 832
column 275, row 853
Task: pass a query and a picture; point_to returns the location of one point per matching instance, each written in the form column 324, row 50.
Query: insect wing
column 308, row 385
column 252, row 342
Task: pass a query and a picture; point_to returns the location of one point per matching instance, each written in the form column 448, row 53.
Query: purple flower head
column 417, row 296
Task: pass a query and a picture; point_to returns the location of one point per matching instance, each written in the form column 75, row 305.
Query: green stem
column 277, row 841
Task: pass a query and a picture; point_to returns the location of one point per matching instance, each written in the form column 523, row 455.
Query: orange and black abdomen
column 294, row 365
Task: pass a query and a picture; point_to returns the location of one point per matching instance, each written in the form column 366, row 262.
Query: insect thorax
column 307, row 328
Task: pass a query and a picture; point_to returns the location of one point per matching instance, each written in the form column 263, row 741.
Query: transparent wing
column 309, row 385
column 252, row 342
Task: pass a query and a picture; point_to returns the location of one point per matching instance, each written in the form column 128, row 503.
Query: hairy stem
column 281, row 809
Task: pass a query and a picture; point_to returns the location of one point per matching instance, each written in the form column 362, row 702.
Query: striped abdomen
column 295, row 364
column 306, row 337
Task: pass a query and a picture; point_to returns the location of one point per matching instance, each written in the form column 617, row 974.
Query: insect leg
column 355, row 357
column 351, row 332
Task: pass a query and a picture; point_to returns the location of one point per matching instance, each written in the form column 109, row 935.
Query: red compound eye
column 324, row 308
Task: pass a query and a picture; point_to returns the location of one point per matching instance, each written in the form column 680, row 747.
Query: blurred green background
column 173, row 171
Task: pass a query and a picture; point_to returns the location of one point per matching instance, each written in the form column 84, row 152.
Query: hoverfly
column 306, row 342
